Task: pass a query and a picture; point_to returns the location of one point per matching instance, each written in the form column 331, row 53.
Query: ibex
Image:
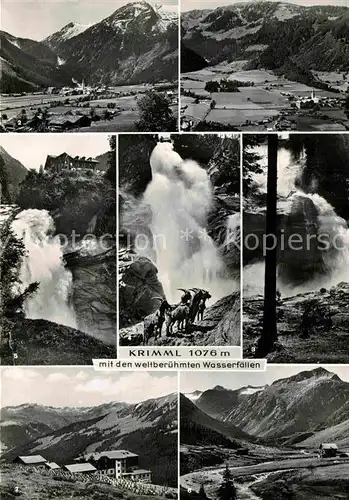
column 153, row 322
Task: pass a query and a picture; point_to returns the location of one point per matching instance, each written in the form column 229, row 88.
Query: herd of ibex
column 191, row 306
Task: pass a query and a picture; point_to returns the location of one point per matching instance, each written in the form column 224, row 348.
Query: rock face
column 40, row 342
column 94, row 294
column 138, row 285
column 220, row 326
column 308, row 324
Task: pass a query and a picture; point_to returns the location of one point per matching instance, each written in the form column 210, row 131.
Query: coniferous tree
column 227, row 490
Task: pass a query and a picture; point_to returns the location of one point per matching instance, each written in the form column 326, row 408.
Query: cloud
column 130, row 387
column 57, row 377
column 20, row 374
column 81, row 375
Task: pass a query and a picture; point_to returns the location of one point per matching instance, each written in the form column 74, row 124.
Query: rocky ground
column 312, row 327
column 41, row 342
column 41, row 485
column 220, row 326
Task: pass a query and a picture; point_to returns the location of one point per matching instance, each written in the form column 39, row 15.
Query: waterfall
column 332, row 228
column 180, row 196
column 43, row 262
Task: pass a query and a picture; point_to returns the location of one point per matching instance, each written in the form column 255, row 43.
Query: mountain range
column 261, row 34
column 306, row 409
column 148, row 428
column 137, row 43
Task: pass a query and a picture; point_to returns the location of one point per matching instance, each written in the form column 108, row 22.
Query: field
column 116, row 109
column 269, row 102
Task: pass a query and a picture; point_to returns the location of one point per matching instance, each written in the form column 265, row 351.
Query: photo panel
column 278, row 434
column 75, row 433
column 58, row 258
column 103, row 66
column 295, row 251
column 179, row 230
column 264, row 66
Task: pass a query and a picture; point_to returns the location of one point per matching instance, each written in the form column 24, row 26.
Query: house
column 66, row 122
column 31, row 460
column 119, row 464
column 328, row 450
column 67, row 162
column 83, row 468
column 51, row 466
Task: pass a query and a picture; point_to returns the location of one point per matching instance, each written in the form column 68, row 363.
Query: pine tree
column 227, row 490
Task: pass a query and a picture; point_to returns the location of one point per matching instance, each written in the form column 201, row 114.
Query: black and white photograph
column 280, row 434
column 264, row 65
column 74, row 433
column 179, row 230
column 58, row 249
column 104, row 66
column 295, row 250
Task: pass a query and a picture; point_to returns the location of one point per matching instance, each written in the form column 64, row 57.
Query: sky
column 212, row 4
column 201, row 381
column 37, row 19
column 81, row 386
column 32, row 149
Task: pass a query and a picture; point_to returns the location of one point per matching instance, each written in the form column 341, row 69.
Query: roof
column 328, row 446
column 32, row 459
column 61, row 120
column 113, row 454
column 137, row 471
column 86, row 467
column 52, row 465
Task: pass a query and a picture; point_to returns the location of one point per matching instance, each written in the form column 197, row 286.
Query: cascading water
column 333, row 229
column 43, row 263
column 180, row 197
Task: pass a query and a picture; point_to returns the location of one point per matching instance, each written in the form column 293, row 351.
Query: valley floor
column 299, row 478
column 270, row 104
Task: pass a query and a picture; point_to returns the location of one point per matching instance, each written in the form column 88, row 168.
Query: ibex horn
column 183, row 289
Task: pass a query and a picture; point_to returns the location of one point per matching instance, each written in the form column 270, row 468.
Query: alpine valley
column 273, row 438
column 137, row 43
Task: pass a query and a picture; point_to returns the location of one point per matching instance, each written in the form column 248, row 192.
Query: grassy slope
column 42, row 485
column 40, row 342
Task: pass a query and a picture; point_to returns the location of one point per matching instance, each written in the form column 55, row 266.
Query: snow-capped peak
column 193, row 396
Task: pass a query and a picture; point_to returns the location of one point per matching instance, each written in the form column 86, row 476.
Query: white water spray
column 180, row 196
column 335, row 257
column 43, row 262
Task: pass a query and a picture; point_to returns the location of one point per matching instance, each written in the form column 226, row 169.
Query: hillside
column 16, row 172
column 199, row 428
column 39, row 485
column 148, row 429
column 280, row 36
column 28, row 65
column 310, row 401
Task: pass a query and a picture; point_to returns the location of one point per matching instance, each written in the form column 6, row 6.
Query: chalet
column 67, row 162
column 51, row 466
column 60, row 123
column 328, row 450
column 31, row 461
column 119, row 464
column 83, row 468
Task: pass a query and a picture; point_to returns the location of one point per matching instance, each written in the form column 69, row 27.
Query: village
column 79, row 107
column 262, row 106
